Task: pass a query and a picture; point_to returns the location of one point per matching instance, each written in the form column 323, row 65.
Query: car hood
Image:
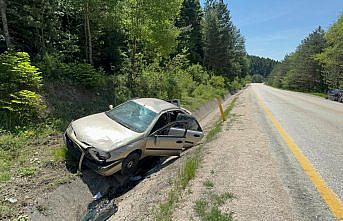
column 103, row 133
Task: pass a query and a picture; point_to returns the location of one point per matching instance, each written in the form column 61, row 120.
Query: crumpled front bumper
column 84, row 158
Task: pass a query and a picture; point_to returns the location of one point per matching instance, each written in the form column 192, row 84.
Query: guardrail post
column 221, row 108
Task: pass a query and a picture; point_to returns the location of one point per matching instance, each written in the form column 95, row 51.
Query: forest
column 316, row 65
column 61, row 59
column 260, row 68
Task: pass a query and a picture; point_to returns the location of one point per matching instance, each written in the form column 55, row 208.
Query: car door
column 194, row 132
column 167, row 141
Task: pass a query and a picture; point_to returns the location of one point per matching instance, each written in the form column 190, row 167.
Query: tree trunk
column 88, row 35
column 3, row 7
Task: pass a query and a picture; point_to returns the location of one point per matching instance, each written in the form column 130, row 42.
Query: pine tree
column 332, row 56
column 189, row 22
column 224, row 50
column 301, row 70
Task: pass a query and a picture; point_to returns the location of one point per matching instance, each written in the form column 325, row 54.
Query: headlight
column 69, row 130
column 98, row 154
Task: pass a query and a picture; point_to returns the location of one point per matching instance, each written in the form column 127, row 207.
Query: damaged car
column 116, row 140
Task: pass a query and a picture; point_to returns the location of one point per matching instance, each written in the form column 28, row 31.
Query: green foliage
column 213, row 132
column 247, row 79
column 208, row 184
column 189, row 22
column 78, row 73
column 300, row 70
column 84, row 74
column 15, row 148
column 26, row 171
column 235, row 84
column 332, row 56
column 319, row 94
column 224, row 47
column 208, row 209
column 60, row 154
column 151, row 23
column 261, row 66
column 257, row 78
column 188, row 170
column 20, row 83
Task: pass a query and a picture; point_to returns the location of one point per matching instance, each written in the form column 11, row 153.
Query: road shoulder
column 239, row 162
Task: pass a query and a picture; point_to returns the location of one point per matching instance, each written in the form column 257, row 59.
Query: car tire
column 130, row 164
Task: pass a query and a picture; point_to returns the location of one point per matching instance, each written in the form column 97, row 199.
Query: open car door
column 194, row 132
column 167, row 141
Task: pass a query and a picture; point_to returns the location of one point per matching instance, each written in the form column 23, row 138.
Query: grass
column 219, row 200
column 26, row 171
column 209, row 184
column 187, row 172
column 218, row 127
column 6, row 210
column 230, row 107
column 319, row 94
column 16, row 152
column 60, row 154
column 213, row 133
column 208, row 209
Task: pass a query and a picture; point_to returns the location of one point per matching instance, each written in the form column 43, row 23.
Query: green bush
column 20, row 83
column 257, row 78
column 235, row 84
column 84, row 74
column 78, row 73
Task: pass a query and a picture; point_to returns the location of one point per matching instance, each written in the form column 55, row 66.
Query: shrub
column 235, row 85
column 257, row 78
column 84, row 74
column 20, row 83
column 198, row 73
column 78, row 73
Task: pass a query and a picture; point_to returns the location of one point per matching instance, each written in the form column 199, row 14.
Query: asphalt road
column 316, row 127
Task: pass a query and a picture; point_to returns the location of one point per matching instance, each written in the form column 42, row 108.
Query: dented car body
column 116, row 140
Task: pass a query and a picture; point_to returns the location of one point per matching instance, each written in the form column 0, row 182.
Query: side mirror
column 110, row 106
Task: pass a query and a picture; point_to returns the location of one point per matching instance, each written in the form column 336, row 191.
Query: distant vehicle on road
column 341, row 98
column 117, row 139
column 335, row 95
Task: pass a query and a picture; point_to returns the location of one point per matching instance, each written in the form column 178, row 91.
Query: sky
column 274, row 28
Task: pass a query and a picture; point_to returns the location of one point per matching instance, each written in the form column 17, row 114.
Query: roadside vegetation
column 260, row 68
column 187, row 172
column 208, row 207
column 316, row 65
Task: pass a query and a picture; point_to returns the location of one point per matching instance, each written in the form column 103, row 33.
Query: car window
column 191, row 121
column 174, row 114
column 133, row 116
column 161, row 122
column 194, row 125
column 176, row 129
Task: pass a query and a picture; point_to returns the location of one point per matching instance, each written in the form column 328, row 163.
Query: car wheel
column 129, row 164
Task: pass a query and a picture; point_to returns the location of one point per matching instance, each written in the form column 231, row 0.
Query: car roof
column 155, row 104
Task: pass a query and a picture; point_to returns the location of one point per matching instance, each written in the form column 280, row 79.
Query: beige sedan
column 116, row 140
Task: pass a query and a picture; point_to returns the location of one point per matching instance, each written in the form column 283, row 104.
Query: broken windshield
column 132, row 115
